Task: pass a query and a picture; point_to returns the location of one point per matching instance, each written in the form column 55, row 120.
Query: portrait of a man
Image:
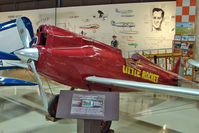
column 157, row 18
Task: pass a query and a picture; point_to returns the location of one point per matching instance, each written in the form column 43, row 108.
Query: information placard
column 93, row 105
column 85, row 104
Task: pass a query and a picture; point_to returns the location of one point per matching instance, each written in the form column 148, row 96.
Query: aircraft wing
column 14, row 82
column 156, row 88
column 193, row 62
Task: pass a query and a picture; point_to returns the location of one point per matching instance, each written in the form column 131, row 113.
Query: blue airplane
column 9, row 37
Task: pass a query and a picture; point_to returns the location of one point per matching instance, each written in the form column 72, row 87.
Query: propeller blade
column 23, row 32
column 29, row 55
column 42, row 91
column 18, row 64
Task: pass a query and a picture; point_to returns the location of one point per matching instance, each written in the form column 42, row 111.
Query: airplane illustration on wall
column 123, row 11
column 122, row 24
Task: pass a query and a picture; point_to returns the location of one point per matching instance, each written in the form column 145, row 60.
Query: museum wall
column 131, row 23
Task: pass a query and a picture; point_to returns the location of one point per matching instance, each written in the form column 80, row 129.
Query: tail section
column 179, row 67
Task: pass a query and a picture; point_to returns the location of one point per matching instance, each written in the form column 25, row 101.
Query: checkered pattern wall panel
column 185, row 10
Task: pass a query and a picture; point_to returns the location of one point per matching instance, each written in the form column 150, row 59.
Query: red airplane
column 81, row 62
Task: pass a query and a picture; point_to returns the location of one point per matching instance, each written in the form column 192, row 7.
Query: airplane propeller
column 29, row 56
column 22, row 32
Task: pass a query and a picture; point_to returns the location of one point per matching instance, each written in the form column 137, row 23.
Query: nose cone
column 27, row 54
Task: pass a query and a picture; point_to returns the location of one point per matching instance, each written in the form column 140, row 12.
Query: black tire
column 52, row 106
column 105, row 126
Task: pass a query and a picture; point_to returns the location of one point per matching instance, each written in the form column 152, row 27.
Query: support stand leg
column 88, row 126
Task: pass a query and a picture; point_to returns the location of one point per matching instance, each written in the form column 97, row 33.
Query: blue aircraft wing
column 10, row 41
column 14, row 82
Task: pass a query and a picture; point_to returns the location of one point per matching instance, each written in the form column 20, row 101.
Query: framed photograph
column 177, row 38
column 185, row 38
column 191, row 38
column 185, row 28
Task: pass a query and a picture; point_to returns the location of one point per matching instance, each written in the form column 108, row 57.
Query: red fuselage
column 69, row 58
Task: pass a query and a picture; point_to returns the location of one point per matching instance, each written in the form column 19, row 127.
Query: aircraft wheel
column 105, row 126
column 52, row 106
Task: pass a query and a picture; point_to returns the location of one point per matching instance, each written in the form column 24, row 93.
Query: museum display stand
column 185, row 34
column 89, row 108
column 185, row 45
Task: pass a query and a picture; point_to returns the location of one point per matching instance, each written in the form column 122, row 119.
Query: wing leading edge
column 157, row 88
column 14, row 82
column 193, row 62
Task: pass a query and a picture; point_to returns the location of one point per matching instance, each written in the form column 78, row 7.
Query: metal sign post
column 88, row 126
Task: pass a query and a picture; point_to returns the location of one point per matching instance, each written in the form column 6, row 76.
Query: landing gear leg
column 53, row 103
column 72, row 88
column 105, row 126
column 52, row 106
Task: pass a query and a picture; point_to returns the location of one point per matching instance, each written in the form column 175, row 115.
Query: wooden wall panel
column 15, row 5
column 26, row 5
column 7, row 7
column 46, row 4
column 96, row 2
column 6, row 1
column 66, row 3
